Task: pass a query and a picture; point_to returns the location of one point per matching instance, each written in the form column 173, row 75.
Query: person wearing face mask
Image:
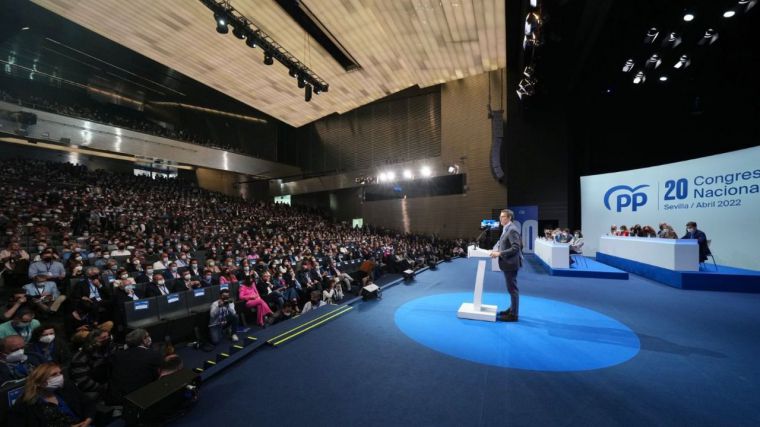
column 692, row 232
column 172, row 273
column 145, row 275
column 48, row 266
column 207, row 279
column 157, row 287
column 182, row 261
column 186, row 283
column 134, row 367
column 222, row 316
column 89, row 365
column 45, row 348
column 124, row 291
column 22, row 324
column 49, row 400
column 194, row 267
column 162, row 263
column 44, row 294
column 94, row 293
column 14, row 364
column 121, row 250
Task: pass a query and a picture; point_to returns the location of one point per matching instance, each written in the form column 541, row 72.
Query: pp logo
column 626, row 197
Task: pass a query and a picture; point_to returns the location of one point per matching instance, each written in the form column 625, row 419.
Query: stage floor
column 695, row 363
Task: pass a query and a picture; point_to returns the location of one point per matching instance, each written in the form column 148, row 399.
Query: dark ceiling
column 54, row 46
column 713, row 105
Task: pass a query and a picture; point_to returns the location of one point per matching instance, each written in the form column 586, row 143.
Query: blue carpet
column 697, row 366
column 583, row 267
column 551, row 336
column 726, row 279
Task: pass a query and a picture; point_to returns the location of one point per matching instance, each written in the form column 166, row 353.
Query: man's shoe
column 510, row 318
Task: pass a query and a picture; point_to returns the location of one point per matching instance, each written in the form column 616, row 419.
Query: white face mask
column 124, row 276
column 161, row 282
column 47, row 339
column 148, row 342
column 54, row 383
column 187, row 276
column 16, row 356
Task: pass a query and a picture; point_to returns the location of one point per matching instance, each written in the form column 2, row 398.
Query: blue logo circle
column 550, row 336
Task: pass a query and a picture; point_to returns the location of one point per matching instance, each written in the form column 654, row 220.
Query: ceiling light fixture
column 688, row 17
column 226, row 15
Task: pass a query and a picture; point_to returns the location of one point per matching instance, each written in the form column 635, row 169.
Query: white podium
column 476, row 310
column 475, row 252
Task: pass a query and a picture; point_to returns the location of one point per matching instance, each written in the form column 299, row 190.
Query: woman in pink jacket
column 250, row 295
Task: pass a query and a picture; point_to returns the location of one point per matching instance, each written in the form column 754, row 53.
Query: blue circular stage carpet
column 550, row 336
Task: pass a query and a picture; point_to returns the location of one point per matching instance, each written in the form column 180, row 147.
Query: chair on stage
column 702, row 266
column 576, row 255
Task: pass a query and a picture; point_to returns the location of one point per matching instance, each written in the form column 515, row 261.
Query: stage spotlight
column 382, row 177
column 528, row 71
column 238, row 32
column 688, row 17
column 408, row 174
column 453, row 169
column 532, row 21
column 708, row 38
column 729, row 14
column 425, row 171
column 301, row 81
column 747, row 4
column 683, row 62
column 639, row 78
column 651, row 35
column 250, row 42
column 268, row 60
column 526, row 87
column 391, row 175
column 663, row 78
column 672, row 40
column 654, row 61
column 408, row 274
column 292, row 72
column 628, row 66
column 221, row 24
column 307, row 93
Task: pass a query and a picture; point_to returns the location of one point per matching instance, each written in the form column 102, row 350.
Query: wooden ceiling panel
column 398, row 43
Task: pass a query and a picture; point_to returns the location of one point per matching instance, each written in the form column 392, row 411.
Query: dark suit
column 701, row 237
column 152, row 290
column 510, row 260
column 132, row 369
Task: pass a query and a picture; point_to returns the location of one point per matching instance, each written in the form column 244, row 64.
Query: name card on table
column 142, row 305
column 172, row 298
column 199, row 292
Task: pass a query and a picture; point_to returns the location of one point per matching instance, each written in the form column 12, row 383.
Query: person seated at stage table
column 576, row 245
column 648, row 231
column 663, row 230
column 692, row 232
column 636, row 231
column 623, row 231
column 613, row 230
column 50, row 400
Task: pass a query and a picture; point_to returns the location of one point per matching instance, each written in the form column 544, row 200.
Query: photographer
column 15, row 264
column 44, row 294
column 16, row 301
column 223, row 316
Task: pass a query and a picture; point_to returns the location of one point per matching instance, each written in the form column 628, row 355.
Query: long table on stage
column 670, row 254
column 555, row 255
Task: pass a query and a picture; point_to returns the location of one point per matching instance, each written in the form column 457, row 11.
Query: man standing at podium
column 509, row 252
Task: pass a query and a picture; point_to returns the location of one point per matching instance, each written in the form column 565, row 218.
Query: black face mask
column 47, row 258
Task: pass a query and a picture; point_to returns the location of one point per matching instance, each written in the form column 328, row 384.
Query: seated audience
column 249, row 293
column 44, row 294
column 314, row 303
column 14, row 364
column 134, row 367
column 22, row 324
column 47, row 346
column 49, row 400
